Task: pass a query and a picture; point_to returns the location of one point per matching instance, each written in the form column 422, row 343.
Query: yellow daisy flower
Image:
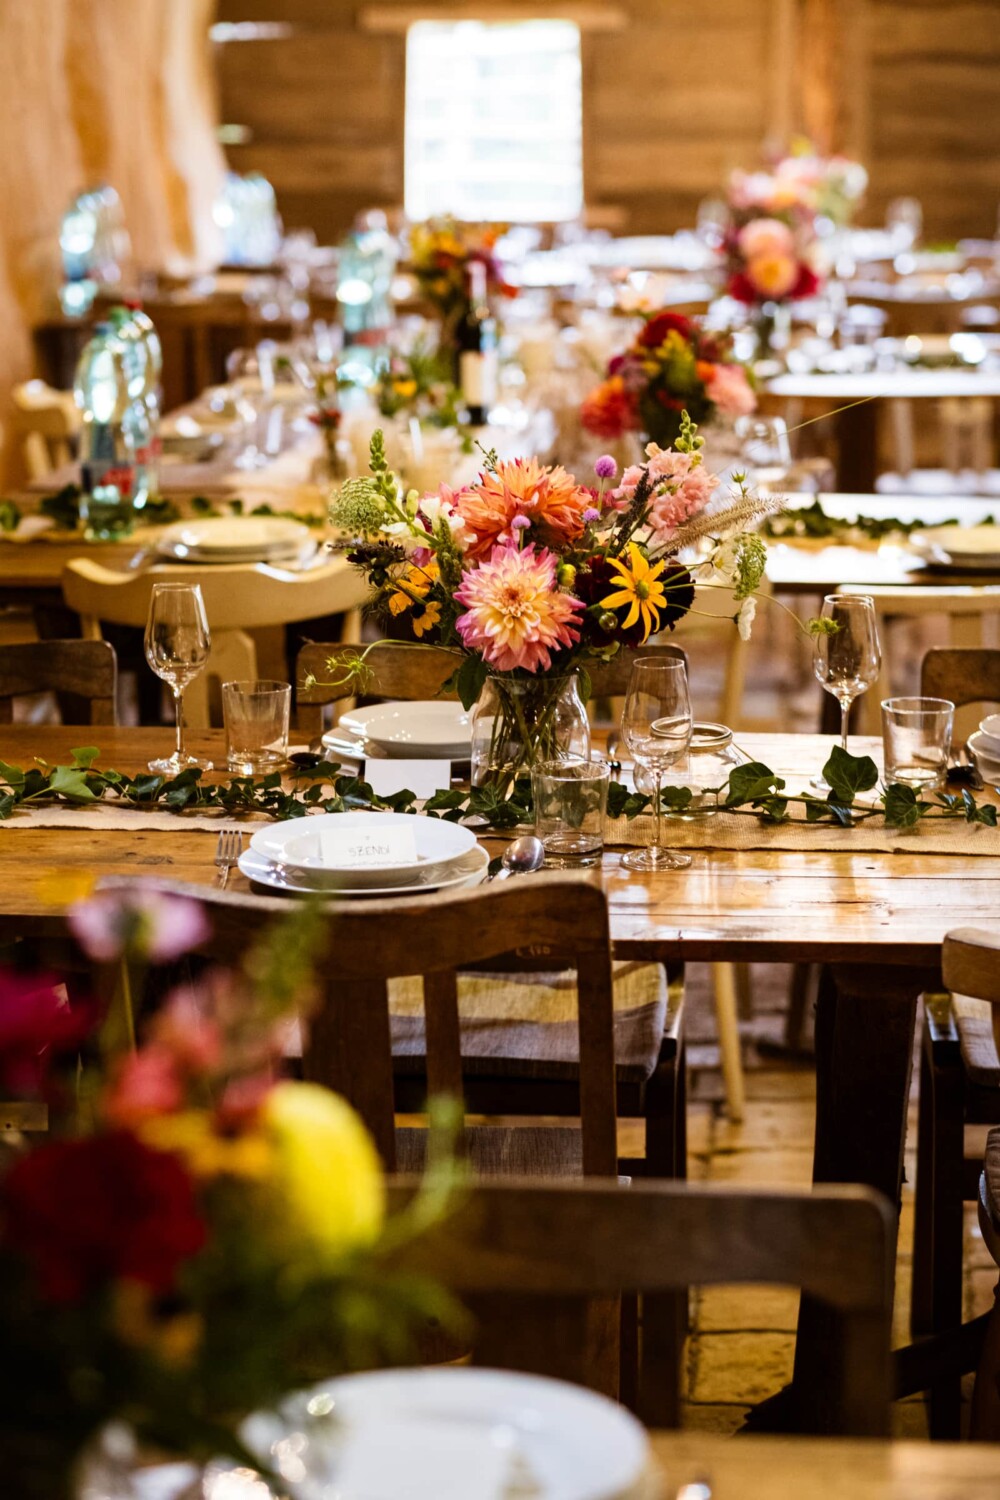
column 641, row 590
column 425, row 621
column 413, row 587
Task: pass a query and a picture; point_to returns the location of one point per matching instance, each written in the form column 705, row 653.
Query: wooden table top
column 766, row 1468
column 782, row 905
column 794, row 566
column 895, row 385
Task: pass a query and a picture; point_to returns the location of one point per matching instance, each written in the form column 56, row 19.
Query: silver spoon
column 521, row 857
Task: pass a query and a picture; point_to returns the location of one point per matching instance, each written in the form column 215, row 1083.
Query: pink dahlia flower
column 768, row 237
column 516, row 615
column 551, row 499
column 729, row 390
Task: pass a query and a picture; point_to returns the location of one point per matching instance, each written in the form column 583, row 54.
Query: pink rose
column 773, row 275
column 766, row 237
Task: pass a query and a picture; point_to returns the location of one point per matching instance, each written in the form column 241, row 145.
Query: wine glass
column 656, row 728
column 847, row 662
column 177, row 644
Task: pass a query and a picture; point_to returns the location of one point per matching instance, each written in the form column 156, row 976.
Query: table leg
column 865, row 1026
column 857, row 448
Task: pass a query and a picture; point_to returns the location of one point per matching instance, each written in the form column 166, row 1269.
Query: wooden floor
column 742, row 1342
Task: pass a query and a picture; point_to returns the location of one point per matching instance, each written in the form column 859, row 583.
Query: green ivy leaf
column 903, row 809
column 85, row 756
column 847, row 774
column 751, row 782
column 12, row 776
column 676, row 798
column 71, row 782
column 469, row 680
column 7, row 804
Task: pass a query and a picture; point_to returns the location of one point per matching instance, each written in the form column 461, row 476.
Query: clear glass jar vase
column 518, row 721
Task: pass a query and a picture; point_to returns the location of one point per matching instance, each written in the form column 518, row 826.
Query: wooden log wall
column 118, row 91
column 675, row 95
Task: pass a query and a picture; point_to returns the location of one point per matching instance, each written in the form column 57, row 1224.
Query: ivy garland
column 752, row 790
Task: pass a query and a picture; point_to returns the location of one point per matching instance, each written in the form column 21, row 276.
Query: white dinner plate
column 965, row 547
column 987, row 760
column 470, row 869
column 296, row 844
column 566, row 1443
column 429, row 730
column 234, row 537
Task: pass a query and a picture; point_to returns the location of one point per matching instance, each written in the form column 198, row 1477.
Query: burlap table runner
column 722, row 830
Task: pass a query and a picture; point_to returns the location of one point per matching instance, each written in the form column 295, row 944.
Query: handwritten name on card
column 364, row 848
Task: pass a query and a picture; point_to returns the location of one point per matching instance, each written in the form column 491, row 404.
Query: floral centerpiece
column 440, row 253
column 199, row 1238
column 671, row 367
column 834, row 184
column 418, row 384
column 327, row 417
column 527, row 574
column 771, row 248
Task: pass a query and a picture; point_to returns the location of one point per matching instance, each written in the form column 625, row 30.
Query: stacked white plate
column 967, row 549
column 238, row 539
column 430, row 730
column 295, row 856
column 487, row 1434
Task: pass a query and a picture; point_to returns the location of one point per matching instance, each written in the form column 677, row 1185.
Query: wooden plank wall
column 674, row 99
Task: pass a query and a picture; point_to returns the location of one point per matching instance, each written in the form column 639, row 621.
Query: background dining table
column 877, row 918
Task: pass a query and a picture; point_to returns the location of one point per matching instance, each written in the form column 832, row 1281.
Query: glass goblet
column 177, row 644
column 656, row 728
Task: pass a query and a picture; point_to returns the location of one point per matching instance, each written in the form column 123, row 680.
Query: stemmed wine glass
column 656, row 728
column 847, row 661
column 177, row 644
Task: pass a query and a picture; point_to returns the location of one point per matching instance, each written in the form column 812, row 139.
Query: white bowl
column 989, row 735
column 421, row 730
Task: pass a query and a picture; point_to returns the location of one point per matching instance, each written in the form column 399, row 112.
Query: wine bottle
column 477, row 348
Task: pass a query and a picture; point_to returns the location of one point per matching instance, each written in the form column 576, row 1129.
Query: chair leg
column 922, row 1286
column 744, row 991
column 729, row 1040
column 984, row 1418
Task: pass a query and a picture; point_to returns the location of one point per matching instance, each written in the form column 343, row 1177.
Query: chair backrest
column 529, row 1249
column 83, row 669
column 48, row 422
column 406, row 671
column 965, row 675
column 348, row 1044
column 970, row 965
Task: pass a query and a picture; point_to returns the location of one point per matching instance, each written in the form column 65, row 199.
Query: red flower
column 87, row 1212
column 35, row 1022
column 656, row 330
column 807, row 284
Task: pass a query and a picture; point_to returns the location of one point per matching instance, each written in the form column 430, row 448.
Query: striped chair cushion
column 525, row 1024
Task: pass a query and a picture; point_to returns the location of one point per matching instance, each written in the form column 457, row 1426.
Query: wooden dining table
column 878, row 919
column 765, row 1468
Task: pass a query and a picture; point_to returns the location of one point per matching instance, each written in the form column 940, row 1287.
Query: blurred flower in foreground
column 149, row 924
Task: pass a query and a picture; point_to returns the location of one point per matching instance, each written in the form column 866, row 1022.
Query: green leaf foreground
column 752, row 790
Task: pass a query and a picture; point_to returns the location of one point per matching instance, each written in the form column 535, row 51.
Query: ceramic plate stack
column 298, row 856
column 985, row 746
column 238, row 539
column 482, row 1433
column 964, row 549
column 429, row 730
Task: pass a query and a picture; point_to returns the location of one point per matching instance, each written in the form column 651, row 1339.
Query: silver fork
column 227, row 852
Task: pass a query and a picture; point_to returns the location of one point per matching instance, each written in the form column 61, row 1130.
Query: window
column 494, row 120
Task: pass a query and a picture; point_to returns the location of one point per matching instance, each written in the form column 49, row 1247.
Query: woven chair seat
column 524, row 1025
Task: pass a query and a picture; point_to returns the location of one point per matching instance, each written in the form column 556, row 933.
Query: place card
column 368, row 848
column 425, row 1458
column 421, row 777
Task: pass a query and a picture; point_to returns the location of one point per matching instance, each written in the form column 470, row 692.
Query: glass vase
column 772, row 326
column 518, row 721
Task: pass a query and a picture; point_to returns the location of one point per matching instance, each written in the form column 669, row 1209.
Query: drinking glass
column 571, row 799
column 177, row 644
column 656, row 728
column 256, row 716
column 916, row 739
column 847, row 662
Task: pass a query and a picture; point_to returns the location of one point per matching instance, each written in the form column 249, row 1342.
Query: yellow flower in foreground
column 413, row 586
column 427, row 619
column 173, row 1337
column 206, row 1152
column 641, row 590
column 326, row 1170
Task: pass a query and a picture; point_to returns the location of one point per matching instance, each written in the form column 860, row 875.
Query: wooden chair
column 48, row 423
column 959, row 1086
column 532, row 1255
column 971, row 967
column 407, row 672
column 239, row 600
column 84, row 670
